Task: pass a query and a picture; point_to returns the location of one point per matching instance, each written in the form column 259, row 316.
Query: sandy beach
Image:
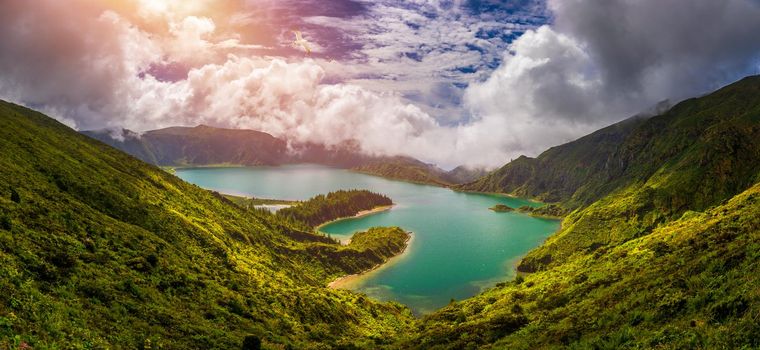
column 360, row 214
column 345, row 281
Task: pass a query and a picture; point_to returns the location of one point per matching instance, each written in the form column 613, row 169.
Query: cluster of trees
column 334, row 205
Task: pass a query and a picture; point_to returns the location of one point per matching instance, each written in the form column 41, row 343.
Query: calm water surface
column 459, row 246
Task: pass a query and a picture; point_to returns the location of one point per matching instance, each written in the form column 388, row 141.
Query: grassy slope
column 100, row 249
column 404, row 169
column 558, row 173
column 696, row 133
column 698, row 154
column 668, row 257
column 689, row 284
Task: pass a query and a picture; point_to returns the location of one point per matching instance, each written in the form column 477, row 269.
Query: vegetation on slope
column 99, row 250
column 702, row 134
column 689, row 284
column 366, row 250
column 666, row 258
column 560, row 172
column 334, row 205
column 251, row 202
column 546, row 211
column 405, row 169
column 699, row 153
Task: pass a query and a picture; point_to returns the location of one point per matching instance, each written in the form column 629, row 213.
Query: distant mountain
column 404, row 168
column 564, row 173
column 413, row 170
column 463, row 174
column 200, row 145
column 204, row 145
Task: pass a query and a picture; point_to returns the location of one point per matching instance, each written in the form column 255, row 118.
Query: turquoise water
column 458, row 248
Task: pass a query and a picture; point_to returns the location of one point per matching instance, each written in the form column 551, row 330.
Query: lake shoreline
column 360, row 214
column 341, row 282
column 447, row 226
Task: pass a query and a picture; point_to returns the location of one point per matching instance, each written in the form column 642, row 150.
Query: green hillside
column 667, row 257
column 642, row 173
column 100, row 250
column 690, row 284
column 698, row 133
column 404, row 169
column 562, row 173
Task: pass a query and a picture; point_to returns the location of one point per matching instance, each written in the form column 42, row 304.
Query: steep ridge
column 699, row 153
column 100, row 250
column 580, row 172
column 562, row 173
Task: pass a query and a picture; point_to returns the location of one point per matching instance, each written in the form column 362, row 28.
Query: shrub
column 5, row 223
column 251, row 342
column 15, row 197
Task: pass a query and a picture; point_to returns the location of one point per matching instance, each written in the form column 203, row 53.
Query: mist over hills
column 204, row 145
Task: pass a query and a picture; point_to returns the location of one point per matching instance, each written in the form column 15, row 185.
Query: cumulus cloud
column 600, row 61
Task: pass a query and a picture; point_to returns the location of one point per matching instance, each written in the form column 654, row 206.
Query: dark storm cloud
column 681, row 46
column 601, row 61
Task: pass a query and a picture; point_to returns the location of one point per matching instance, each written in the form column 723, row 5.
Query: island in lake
column 501, row 208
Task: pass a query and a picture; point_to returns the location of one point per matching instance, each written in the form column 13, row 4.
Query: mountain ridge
column 204, row 145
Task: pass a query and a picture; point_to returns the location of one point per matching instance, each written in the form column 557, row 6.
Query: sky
column 449, row 82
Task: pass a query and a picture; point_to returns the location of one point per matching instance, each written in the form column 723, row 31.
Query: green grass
column 690, row 284
column 250, row 202
column 100, row 250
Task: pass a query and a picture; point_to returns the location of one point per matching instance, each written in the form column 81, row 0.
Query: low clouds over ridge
column 598, row 62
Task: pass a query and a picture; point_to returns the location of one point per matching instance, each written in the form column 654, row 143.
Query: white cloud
column 598, row 63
